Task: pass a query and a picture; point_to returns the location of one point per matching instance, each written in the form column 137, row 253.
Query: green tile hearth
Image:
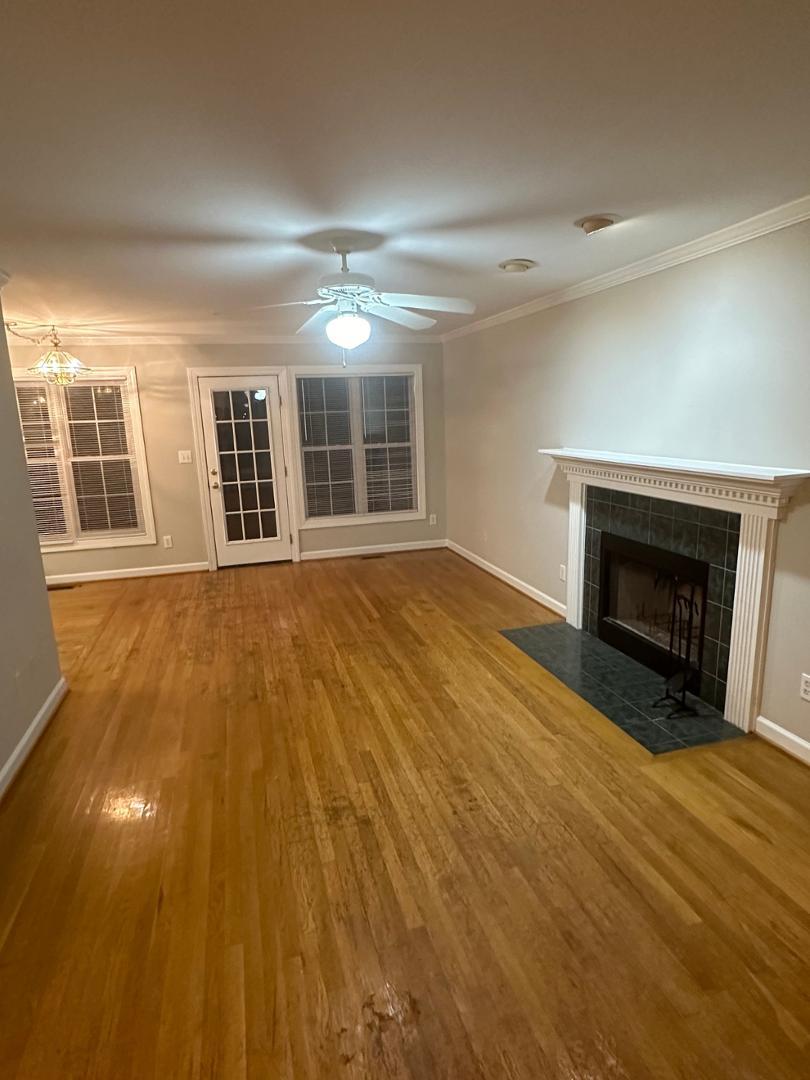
column 621, row 689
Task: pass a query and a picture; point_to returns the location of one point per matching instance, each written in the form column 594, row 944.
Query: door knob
column 213, row 472
column 215, row 484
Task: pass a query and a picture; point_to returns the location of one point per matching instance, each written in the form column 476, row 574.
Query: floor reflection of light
column 127, row 806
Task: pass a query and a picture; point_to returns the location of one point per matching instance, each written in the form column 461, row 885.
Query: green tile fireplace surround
column 699, row 532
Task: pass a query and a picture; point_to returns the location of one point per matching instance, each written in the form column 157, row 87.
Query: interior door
column 244, row 459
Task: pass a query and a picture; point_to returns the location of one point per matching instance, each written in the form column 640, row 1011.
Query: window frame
column 304, row 371
column 128, row 378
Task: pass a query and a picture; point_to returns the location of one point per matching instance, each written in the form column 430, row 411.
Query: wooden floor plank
column 322, row 820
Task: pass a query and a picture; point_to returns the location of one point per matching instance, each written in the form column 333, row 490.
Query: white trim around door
column 257, row 371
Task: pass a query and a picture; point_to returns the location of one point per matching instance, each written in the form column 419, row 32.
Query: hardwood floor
column 323, row 821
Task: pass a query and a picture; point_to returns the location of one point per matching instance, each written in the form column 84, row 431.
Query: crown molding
column 780, row 217
column 190, row 340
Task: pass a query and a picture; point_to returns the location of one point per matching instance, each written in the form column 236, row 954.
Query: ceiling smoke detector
column 516, row 266
column 594, row 223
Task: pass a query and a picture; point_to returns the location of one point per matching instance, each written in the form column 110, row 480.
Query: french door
column 244, row 460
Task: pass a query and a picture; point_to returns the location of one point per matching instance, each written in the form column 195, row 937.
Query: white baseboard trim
column 373, row 549
column 33, row 732
column 510, row 579
column 133, row 571
column 784, row 739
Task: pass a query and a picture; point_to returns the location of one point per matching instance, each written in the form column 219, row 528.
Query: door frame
column 256, row 371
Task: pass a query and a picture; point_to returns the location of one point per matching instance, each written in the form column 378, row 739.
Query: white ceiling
column 163, row 160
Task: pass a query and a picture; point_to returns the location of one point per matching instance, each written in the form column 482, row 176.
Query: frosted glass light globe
column 348, row 331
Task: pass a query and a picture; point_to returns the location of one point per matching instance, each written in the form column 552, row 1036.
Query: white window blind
column 357, row 444
column 388, row 443
column 44, row 467
column 326, row 439
column 85, row 462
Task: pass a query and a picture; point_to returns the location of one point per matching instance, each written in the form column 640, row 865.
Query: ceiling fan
column 343, row 296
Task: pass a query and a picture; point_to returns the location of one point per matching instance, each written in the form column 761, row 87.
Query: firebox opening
column 652, row 606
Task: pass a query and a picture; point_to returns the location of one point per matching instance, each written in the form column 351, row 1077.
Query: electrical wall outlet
column 168, row 542
column 804, row 687
column 563, row 571
column 432, row 519
column 184, row 457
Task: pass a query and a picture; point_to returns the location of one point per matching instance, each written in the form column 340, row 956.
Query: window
column 358, row 445
column 86, row 465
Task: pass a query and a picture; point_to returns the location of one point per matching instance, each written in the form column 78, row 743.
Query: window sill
column 98, row 542
column 363, row 519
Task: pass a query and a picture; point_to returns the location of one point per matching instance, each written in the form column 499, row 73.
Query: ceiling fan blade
column 429, row 303
column 315, row 320
column 266, row 307
column 399, row 315
column 289, row 303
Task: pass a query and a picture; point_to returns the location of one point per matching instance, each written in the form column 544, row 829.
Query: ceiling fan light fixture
column 348, row 330
column 516, row 266
column 594, row 223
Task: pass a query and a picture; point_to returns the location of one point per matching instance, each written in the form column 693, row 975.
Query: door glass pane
column 245, row 454
column 252, row 531
column 243, row 436
column 227, row 464
column 261, row 435
column 225, row 436
column 240, row 404
column 250, row 500
column 230, row 494
column 264, row 466
column 258, row 404
column 222, row 405
column 268, row 523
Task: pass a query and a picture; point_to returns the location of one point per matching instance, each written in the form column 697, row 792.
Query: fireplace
column 674, row 540
column 652, row 606
column 737, row 538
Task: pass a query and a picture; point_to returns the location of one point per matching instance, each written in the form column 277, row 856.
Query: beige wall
column 29, row 666
column 166, row 413
column 709, row 360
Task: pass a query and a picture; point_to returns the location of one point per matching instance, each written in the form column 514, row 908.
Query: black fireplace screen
column 652, row 606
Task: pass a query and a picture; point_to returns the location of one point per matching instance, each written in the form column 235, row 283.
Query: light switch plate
column 804, row 687
column 184, row 457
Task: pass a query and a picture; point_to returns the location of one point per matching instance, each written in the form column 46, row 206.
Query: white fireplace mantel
column 759, row 494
